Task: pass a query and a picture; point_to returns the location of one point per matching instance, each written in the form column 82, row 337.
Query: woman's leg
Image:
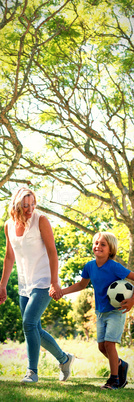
column 49, row 343
column 32, row 309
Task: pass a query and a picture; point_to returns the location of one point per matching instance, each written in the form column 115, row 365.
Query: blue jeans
column 32, row 308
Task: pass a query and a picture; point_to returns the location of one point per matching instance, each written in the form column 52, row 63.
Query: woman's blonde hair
column 15, row 208
column 111, row 240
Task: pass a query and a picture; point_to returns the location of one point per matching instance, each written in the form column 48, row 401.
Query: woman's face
column 28, row 205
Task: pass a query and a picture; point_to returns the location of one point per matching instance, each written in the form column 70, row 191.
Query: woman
column 30, row 241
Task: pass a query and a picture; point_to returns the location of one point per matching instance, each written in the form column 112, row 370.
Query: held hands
column 55, row 291
column 3, row 294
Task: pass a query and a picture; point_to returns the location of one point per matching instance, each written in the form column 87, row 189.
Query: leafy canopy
column 67, row 84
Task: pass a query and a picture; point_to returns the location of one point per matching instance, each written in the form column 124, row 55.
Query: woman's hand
column 55, row 291
column 3, row 294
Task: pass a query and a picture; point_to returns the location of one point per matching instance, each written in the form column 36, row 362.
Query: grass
column 89, row 371
column 51, row 390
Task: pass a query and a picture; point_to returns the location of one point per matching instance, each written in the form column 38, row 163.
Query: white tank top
column 31, row 256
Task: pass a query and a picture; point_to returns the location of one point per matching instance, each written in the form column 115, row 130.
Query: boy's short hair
column 111, row 240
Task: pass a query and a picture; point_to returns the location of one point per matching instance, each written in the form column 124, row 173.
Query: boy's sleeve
column 121, row 271
column 85, row 272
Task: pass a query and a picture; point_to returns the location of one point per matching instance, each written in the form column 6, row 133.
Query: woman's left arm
column 48, row 238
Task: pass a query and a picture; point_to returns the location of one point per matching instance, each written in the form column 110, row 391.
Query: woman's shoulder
column 37, row 213
column 9, row 222
column 39, row 219
column 8, row 225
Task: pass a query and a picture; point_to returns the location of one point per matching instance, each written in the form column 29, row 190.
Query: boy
column 110, row 321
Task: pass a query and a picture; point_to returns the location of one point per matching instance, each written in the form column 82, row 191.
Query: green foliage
column 66, row 77
column 10, row 321
column 103, row 372
column 10, row 316
column 84, row 310
column 74, row 250
column 58, row 319
column 74, row 246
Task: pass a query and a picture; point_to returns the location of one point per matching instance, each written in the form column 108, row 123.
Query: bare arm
column 76, row 287
column 7, row 267
column 73, row 288
column 48, row 238
column 127, row 304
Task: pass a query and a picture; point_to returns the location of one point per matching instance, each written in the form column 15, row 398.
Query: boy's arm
column 127, row 304
column 74, row 288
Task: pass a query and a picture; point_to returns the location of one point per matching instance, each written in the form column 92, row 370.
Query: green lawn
column 89, row 371
column 75, row 389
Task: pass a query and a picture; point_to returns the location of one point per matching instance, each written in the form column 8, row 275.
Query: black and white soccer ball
column 119, row 291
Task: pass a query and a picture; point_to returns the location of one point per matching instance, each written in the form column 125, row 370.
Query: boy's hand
column 127, row 304
column 55, row 297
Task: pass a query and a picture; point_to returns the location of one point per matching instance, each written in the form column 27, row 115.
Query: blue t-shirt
column 101, row 278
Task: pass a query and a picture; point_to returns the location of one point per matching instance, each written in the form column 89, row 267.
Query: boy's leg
column 111, row 353
column 112, row 357
column 122, row 366
column 122, row 371
column 101, row 346
column 109, row 331
column 114, row 330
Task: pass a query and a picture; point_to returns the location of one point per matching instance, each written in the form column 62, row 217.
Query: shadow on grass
column 51, row 390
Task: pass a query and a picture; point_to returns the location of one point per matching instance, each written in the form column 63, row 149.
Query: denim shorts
column 110, row 326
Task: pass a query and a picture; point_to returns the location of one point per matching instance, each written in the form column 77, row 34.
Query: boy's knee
column 107, row 345
column 101, row 347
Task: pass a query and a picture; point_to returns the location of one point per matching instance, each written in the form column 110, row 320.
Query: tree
column 84, row 310
column 74, row 246
column 10, row 321
column 58, row 319
column 24, row 29
column 10, row 315
column 72, row 86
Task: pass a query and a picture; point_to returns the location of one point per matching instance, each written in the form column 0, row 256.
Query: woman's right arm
column 7, row 267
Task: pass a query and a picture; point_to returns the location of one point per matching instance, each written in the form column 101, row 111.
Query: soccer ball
column 119, row 291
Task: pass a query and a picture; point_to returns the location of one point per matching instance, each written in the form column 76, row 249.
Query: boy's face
column 101, row 248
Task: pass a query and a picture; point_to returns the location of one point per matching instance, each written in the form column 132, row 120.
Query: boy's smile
column 101, row 250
